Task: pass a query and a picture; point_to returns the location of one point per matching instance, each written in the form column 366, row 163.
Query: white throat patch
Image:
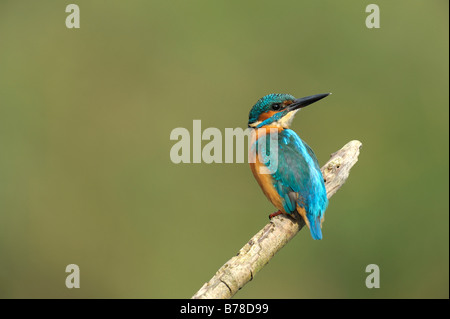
column 286, row 120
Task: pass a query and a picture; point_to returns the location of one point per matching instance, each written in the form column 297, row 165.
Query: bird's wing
column 292, row 177
column 298, row 179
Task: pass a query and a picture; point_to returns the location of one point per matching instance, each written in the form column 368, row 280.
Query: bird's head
column 278, row 110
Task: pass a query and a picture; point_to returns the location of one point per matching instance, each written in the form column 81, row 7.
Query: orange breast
column 265, row 180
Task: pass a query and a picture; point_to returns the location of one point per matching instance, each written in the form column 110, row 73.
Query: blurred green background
column 85, row 119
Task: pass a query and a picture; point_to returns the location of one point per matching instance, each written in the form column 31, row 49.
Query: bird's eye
column 276, row 106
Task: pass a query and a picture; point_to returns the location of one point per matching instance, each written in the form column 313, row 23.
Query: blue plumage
column 265, row 103
column 297, row 180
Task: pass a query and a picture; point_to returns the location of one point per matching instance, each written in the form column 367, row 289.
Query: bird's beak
column 305, row 101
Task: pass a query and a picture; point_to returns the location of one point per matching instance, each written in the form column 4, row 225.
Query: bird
column 296, row 183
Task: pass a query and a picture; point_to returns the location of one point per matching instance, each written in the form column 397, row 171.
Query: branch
column 278, row 232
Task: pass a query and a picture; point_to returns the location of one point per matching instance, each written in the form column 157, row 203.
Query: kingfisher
column 295, row 183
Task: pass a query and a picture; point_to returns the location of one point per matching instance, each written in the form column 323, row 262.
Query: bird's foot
column 275, row 214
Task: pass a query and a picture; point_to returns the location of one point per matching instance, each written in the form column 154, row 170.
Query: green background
column 85, row 120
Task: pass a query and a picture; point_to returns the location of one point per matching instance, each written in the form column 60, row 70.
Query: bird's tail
column 315, row 228
column 313, row 223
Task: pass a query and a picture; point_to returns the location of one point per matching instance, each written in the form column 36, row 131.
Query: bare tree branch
column 278, row 232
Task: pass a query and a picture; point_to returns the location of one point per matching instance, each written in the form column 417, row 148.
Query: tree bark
column 240, row 269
